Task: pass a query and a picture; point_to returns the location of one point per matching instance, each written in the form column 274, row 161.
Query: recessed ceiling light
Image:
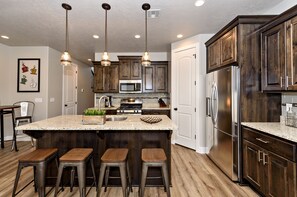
column 179, row 36
column 95, row 36
column 5, row 37
column 199, row 3
column 137, row 36
column 89, row 60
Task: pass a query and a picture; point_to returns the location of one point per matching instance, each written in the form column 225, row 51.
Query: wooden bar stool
column 76, row 157
column 38, row 159
column 115, row 157
column 154, row 157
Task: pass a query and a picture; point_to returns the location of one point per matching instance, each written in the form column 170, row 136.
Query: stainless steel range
column 130, row 106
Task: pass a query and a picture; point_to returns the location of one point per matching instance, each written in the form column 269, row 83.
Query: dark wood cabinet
column 155, row 77
column 130, row 67
column 269, row 163
column 106, row 79
column 111, row 112
column 223, row 51
column 156, row 112
column 279, row 53
column 273, row 58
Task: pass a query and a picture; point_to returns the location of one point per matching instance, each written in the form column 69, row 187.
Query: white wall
column 198, row 42
column 155, row 56
column 51, row 75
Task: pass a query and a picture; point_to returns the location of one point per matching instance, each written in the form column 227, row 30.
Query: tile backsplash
column 149, row 98
column 289, row 98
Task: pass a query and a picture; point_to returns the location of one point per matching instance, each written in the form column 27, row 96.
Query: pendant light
column 66, row 58
column 145, row 60
column 105, row 58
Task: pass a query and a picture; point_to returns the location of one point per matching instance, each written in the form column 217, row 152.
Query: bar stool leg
column 93, row 170
column 101, row 176
column 165, row 174
column 35, row 178
column 81, row 172
column 129, row 176
column 14, row 144
column 143, row 179
column 106, row 178
column 60, row 172
column 72, row 173
column 17, row 177
column 123, row 178
column 40, row 168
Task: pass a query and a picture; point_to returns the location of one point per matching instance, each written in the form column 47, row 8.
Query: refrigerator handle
column 208, row 106
column 211, row 104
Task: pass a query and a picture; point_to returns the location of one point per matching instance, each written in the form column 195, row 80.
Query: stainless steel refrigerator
column 222, row 118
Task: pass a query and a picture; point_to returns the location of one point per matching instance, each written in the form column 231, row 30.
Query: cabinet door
column 99, row 79
column 273, row 59
column 228, row 47
column 125, row 69
column 253, row 169
column 135, row 69
column 291, row 45
column 213, row 56
column 281, row 176
column 113, row 79
column 148, row 79
column 161, row 79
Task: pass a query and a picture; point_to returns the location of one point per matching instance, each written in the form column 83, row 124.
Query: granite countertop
column 74, row 122
column 144, row 106
column 274, row 128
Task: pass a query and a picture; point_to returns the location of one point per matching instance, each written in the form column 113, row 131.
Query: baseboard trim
column 202, row 150
column 19, row 138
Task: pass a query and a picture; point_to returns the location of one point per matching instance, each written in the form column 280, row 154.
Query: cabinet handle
column 281, row 82
column 264, row 159
column 263, row 141
column 259, row 156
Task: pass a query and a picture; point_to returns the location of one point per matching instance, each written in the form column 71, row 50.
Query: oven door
column 130, row 86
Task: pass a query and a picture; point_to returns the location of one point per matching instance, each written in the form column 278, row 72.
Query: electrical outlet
column 288, row 106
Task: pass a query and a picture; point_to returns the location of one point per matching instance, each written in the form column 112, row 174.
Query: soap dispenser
column 290, row 117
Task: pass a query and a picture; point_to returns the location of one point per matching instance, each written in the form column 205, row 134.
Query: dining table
column 7, row 109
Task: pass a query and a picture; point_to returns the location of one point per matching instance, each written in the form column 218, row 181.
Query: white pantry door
column 70, row 90
column 185, row 98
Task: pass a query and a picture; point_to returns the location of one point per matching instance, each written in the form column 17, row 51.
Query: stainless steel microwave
column 130, row 86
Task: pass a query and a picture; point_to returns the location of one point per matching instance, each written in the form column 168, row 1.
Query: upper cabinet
column 155, row 77
column 106, row 78
column 279, row 53
column 130, row 67
column 222, row 51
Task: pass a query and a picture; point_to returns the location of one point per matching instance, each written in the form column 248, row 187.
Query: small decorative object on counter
column 151, row 119
column 162, row 103
column 94, row 117
column 291, row 118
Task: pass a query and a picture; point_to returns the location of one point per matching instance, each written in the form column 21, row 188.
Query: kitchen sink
column 116, row 118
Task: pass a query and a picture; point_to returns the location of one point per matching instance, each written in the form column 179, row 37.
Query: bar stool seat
column 115, row 157
column 76, row 157
column 154, row 157
column 38, row 159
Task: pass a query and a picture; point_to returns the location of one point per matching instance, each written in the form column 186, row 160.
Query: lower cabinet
column 270, row 173
column 156, row 112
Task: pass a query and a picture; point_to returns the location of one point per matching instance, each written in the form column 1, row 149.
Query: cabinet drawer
column 272, row 144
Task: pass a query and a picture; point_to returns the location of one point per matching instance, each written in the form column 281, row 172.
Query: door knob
column 65, row 105
column 175, row 109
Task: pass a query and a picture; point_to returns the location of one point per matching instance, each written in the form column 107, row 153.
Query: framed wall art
column 28, row 75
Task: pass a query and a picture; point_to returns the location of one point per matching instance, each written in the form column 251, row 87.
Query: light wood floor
column 193, row 175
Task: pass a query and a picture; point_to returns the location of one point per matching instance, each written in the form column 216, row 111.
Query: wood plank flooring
column 193, row 175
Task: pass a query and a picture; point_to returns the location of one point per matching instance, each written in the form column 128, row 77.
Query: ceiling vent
column 153, row 13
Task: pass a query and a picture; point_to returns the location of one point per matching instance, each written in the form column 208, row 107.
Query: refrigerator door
column 209, row 125
column 224, row 147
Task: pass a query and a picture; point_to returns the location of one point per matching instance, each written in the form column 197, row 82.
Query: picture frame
column 28, row 77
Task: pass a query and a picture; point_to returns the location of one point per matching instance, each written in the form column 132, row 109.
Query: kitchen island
column 66, row 132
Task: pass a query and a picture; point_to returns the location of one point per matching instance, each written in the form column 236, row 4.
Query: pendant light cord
column 105, row 50
column 67, row 37
column 145, row 30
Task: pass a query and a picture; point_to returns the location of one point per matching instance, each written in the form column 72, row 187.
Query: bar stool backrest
column 26, row 109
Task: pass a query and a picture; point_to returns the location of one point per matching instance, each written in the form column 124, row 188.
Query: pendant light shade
column 145, row 60
column 66, row 58
column 105, row 57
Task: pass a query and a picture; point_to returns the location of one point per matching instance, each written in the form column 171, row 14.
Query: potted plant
column 94, row 116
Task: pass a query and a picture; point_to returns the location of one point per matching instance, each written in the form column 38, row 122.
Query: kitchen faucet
column 99, row 104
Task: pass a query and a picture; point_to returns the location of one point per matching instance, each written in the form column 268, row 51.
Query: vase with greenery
column 94, row 116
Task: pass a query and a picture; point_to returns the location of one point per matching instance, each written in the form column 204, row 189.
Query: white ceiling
column 42, row 23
